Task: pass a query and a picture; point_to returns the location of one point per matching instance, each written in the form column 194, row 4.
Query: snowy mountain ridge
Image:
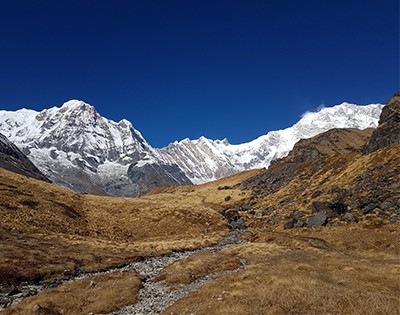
column 225, row 159
column 78, row 148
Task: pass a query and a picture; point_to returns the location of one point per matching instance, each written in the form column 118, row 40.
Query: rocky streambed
column 153, row 297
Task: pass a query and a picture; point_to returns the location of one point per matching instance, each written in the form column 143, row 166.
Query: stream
column 153, row 297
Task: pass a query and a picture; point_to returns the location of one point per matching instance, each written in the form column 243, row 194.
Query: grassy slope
column 46, row 229
column 349, row 269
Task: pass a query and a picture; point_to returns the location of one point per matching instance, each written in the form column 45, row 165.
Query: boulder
column 231, row 215
column 5, row 301
column 245, row 207
column 394, row 219
column 289, row 224
column 319, row 219
column 237, row 224
column 299, row 224
column 386, row 205
column 325, row 206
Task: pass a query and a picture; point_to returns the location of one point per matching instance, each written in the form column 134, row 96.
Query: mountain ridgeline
column 75, row 147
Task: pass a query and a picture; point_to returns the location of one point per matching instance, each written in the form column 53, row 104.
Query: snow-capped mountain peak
column 224, row 159
column 76, row 147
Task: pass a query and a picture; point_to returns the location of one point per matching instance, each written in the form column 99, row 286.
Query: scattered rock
column 238, row 224
column 235, row 207
column 319, row 219
column 339, row 208
column 297, row 214
column 4, row 302
column 268, row 210
column 368, row 208
column 289, row 224
column 316, row 194
column 318, row 206
column 299, row 224
column 245, row 207
column 231, row 215
column 224, row 187
column 394, row 219
column 227, row 198
column 336, row 207
column 14, row 291
column 36, row 308
column 9, row 290
column 348, row 217
column 386, row 205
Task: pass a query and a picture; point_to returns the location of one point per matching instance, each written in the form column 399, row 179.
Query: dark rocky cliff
column 12, row 159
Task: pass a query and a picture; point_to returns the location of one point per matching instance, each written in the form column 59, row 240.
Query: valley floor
column 52, row 237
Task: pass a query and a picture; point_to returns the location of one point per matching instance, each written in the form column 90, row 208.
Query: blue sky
column 177, row 69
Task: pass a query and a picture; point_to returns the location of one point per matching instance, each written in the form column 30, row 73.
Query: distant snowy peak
column 78, row 148
column 74, row 127
column 203, row 159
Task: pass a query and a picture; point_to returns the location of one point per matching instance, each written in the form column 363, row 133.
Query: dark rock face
column 337, row 208
column 12, row 159
column 150, row 176
column 388, row 132
column 311, row 151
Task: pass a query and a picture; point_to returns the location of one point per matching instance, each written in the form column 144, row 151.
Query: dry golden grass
column 98, row 294
column 46, row 229
column 287, row 280
column 198, row 265
column 338, row 173
column 52, row 229
column 35, row 257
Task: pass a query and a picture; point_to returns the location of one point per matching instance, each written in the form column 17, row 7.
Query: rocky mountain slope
column 388, row 132
column 336, row 177
column 77, row 148
column 12, row 159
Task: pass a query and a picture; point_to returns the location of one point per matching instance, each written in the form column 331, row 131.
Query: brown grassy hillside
column 94, row 232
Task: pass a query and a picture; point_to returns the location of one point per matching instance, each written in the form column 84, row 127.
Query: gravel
column 155, row 297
